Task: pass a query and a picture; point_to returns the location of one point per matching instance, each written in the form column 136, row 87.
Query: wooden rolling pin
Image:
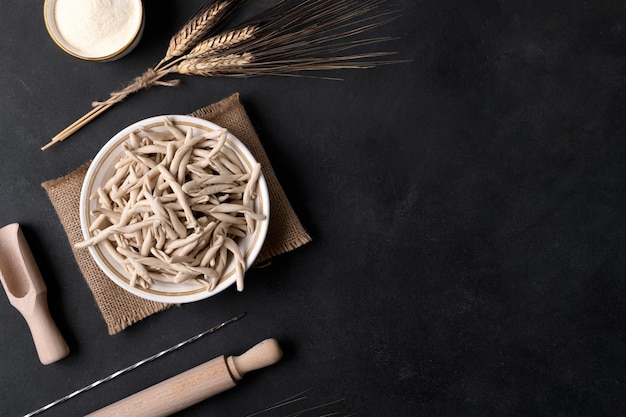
column 195, row 385
column 27, row 292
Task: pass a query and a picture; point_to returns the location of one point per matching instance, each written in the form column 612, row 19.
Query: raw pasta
column 176, row 207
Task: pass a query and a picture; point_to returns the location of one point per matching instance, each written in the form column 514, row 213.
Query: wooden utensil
column 27, row 292
column 195, row 385
column 136, row 365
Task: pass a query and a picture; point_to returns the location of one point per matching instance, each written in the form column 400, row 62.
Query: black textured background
column 467, row 210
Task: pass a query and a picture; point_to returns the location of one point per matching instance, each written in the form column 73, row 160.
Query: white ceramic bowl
column 76, row 34
column 102, row 168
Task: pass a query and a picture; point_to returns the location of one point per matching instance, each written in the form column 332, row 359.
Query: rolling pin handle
column 265, row 353
column 194, row 385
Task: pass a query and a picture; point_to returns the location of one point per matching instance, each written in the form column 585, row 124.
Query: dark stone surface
column 467, row 210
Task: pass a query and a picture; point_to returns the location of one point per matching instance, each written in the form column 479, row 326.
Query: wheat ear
column 195, row 29
column 222, row 41
column 212, row 66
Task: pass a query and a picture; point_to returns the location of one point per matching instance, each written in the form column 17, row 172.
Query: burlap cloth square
column 121, row 309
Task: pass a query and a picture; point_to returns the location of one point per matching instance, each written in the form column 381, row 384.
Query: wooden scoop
column 195, row 385
column 27, row 292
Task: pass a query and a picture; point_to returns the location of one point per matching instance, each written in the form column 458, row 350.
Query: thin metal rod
column 136, row 365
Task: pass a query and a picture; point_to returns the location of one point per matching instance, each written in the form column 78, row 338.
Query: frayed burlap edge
column 119, row 308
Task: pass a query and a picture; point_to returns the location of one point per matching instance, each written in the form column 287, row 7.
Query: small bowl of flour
column 95, row 30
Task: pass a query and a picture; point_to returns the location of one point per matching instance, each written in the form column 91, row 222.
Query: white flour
column 97, row 27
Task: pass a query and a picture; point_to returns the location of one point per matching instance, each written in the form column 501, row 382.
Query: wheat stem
column 78, row 124
column 148, row 79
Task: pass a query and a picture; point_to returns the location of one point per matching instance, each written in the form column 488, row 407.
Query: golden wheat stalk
column 289, row 38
